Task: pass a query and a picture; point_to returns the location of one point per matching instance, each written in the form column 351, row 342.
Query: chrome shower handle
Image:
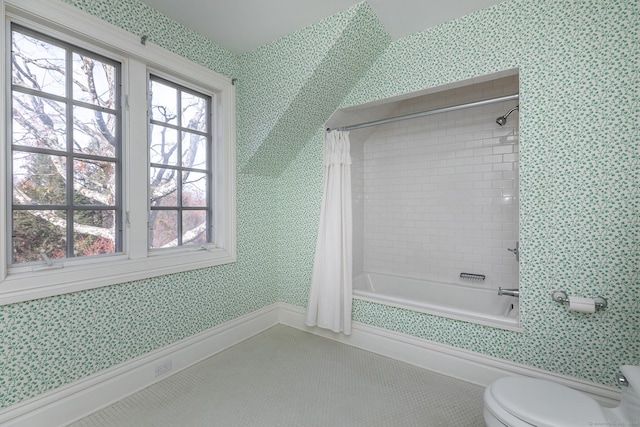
column 516, row 251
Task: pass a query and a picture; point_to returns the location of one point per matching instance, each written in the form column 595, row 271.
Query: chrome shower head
column 503, row 119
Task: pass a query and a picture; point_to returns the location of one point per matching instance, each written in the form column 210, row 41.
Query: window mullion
column 180, row 177
column 179, row 205
column 120, row 211
column 70, row 164
column 210, row 171
column 136, row 160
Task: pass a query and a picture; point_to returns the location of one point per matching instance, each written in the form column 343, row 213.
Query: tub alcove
column 437, row 196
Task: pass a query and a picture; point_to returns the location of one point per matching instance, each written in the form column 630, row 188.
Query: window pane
column 164, row 103
column 38, row 179
column 94, row 132
column 38, row 122
column 194, row 112
column 163, row 187
column 194, row 227
column 35, row 230
column 194, row 151
column 37, row 64
column 164, row 229
column 94, row 81
column 42, row 148
column 94, row 232
column 164, row 145
column 94, row 182
column 180, row 175
column 194, row 189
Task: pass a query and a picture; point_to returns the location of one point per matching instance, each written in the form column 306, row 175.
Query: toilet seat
column 496, row 416
column 521, row 401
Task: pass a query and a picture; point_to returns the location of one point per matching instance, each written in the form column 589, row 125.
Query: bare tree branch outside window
column 66, row 155
column 65, row 150
column 180, row 175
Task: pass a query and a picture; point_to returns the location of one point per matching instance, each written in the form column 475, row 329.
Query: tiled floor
column 287, row 377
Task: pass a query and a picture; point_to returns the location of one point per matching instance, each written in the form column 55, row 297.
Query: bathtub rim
column 499, row 322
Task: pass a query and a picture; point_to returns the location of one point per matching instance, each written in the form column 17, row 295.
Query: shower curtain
column 329, row 303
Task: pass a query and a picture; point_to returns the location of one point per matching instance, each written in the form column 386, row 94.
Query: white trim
column 4, row 106
column 27, row 286
column 80, row 398
column 67, row 19
column 73, row 25
column 451, row 361
column 136, row 176
column 76, row 400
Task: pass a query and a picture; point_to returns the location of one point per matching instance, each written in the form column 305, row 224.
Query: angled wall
column 289, row 88
column 51, row 342
column 579, row 174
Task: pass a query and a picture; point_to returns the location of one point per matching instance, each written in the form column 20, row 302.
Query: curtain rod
column 426, row 113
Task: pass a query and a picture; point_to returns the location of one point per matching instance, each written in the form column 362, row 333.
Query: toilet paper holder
column 563, row 298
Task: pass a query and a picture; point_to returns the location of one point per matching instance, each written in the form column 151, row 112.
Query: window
column 121, row 156
column 179, row 175
column 65, row 146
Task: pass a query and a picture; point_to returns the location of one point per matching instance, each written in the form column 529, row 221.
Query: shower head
column 503, row 119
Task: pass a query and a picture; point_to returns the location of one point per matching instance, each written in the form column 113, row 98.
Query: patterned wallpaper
column 51, row 342
column 579, row 171
column 142, row 20
column 295, row 85
column 579, row 187
column 54, row 341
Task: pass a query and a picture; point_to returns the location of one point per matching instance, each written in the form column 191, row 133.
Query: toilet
column 526, row 402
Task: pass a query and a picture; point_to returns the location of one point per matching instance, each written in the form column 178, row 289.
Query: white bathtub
column 462, row 302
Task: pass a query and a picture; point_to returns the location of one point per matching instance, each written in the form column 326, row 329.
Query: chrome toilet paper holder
column 562, row 298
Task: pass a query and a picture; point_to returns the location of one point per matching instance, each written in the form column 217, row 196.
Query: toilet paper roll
column 584, row 305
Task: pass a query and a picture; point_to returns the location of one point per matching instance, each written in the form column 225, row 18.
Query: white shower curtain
column 331, row 283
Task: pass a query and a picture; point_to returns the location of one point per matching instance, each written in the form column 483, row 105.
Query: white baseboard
column 451, row 361
column 80, row 398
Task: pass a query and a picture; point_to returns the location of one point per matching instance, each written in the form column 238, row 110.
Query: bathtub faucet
column 509, row 292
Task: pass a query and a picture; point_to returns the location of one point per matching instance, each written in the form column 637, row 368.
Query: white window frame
column 180, row 85
column 67, row 23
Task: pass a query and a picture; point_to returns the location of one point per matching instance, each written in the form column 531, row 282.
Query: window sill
column 47, row 282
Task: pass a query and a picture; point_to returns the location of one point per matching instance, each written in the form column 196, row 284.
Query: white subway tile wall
column 438, row 195
column 357, row 197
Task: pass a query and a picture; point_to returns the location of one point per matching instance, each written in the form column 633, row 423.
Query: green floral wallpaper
column 580, row 170
column 296, row 84
column 141, row 20
column 51, row 342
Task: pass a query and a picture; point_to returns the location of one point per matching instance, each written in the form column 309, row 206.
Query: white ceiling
column 243, row 25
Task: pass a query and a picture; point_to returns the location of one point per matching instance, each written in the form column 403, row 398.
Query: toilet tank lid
column 545, row 403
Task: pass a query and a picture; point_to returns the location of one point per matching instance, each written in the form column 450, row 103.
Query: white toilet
column 526, row 402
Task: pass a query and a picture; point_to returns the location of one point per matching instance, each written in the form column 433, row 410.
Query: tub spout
column 509, row 292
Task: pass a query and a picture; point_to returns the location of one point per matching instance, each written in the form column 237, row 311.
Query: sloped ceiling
column 243, row 25
column 295, row 49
